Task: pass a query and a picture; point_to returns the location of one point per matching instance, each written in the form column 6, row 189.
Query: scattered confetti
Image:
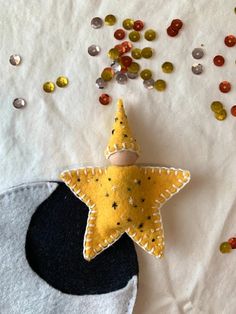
column 62, row 81
column 149, row 84
column 94, row 50
column 150, row 35
column 197, row 68
column 174, row 27
column 160, row 85
column 219, row 60
column 225, row 247
column 167, row 67
column 134, row 36
column 146, row 74
column 198, row 53
column 128, row 24
column 110, row 19
column 100, row 83
column 225, row 87
column 147, row 52
column 96, row 22
column 138, row 25
column 232, row 242
column 105, row 99
column 230, row 41
column 49, row 87
column 233, row 110
column 15, row 60
column 19, row 103
column 119, row 34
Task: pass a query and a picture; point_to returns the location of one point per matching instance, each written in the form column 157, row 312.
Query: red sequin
column 225, row 87
column 138, row 25
column 230, row 40
column 119, row 34
column 127, row 45
column 233, row 111
column 105, row 99
column 219, row 60
column 176, row 24
column 171, row 32
column 121, row 49
column 126, row 61
column 232, row 242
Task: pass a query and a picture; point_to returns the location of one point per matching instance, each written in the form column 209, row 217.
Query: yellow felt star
column 124, row 199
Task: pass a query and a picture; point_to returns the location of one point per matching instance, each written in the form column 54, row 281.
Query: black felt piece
column 54, row 249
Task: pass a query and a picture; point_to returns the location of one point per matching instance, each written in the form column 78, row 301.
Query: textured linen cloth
column 69, row 128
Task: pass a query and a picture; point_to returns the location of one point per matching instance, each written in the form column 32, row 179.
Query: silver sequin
column 197, row 53
column 197, row 68
column 100, row 83
column 132, row 75
column 15, row 59
column 96, row 22
column 149, row 84
column 19, row 103
column 94, row 50
column 121, row 78
column 116, row 67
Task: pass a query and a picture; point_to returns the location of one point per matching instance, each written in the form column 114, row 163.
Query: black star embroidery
column 114, row 205
column 109, row 179
column 125, row 135
column 78, row 179
column 140, row 226
column 142, row 200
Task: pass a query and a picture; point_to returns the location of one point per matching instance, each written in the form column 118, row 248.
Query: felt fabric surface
column 54, row 249
column 125, row 199
column 70, row 129
column 23, row 291
column 121, row 134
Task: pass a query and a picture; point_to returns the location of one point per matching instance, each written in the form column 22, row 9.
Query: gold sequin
column 62, row 81
column 216, row 106
column 150, row 34
column 134, row 67
column 110, row 19
column 146, row 74
column 167, row 67
column 147, row 52
column 107, row 74
column 136, row 53
column 49, row 87
column 113, row 53
column 128, row 24
column 134, row 36
column 221, row 115
column 160, row 85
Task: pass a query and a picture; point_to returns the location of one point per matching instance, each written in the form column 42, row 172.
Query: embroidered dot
column 78, row 179
column 118, row 223
column 129, row 219
column 135, row 206
column 106, row 194
column 114, row 205
column 149, row 178
column 112, row 132
column 141, row 230
column 140, row 226
column 129, row 189
column 109, row 179
column 125, row 135
column 96, row 180
column 153, row 240
column 142, row 200
column 121, row 122
column 116, row 119
column 148, row 217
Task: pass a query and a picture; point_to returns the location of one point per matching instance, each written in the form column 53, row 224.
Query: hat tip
column 120, row 103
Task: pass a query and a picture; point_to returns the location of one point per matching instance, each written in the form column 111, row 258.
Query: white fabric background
column 175, row 128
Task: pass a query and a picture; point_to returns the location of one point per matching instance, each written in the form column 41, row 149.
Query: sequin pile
column 124, row 56
column 228, row 246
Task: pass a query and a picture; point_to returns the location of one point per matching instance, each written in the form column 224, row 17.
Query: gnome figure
column 124, row 197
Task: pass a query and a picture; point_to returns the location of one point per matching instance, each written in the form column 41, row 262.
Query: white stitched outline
column 187, row 177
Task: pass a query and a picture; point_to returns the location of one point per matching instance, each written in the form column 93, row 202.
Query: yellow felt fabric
column 124, row 199
column 121, row 137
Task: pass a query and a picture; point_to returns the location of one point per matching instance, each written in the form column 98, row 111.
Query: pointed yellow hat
column 121, row 138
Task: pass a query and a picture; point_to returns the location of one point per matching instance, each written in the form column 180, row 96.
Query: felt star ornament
column 124, row 197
